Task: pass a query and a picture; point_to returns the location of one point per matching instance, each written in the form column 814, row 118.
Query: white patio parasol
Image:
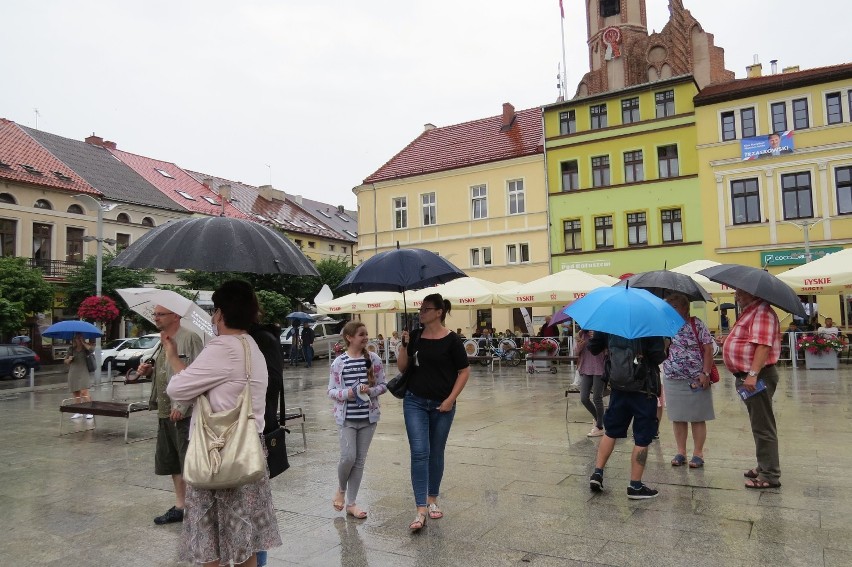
column 462, row 293
column 691, row 269
column 556, row 289
column 830, row 274
column 366, row 302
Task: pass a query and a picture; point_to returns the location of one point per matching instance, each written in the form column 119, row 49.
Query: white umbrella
column 691, row 269
column 556, row 289
column 367, row 302
column 830, row 274
column 462, row 293
column 143, row 299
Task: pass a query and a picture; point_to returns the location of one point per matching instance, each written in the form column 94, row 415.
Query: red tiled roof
column 740, row 88
column 463, row 145
column 18, row 149
column 177, row 180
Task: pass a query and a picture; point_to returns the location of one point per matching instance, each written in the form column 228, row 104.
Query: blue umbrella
column 300, row 315
column 625, row 311
column 67, row 330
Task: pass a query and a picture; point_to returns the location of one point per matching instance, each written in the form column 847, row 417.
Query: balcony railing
column 54, row 268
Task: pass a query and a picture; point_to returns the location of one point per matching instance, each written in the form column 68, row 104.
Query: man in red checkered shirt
column 750, row 352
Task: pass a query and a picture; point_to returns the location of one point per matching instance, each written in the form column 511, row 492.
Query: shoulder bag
column 90, row 362
column 714, row 372
column 398, row 385
column 276, row 446
column 224, row 448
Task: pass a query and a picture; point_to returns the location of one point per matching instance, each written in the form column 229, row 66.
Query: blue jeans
column 427, row 430
column 308, row 350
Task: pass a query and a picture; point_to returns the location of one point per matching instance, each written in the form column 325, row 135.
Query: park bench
column 104, row 409
column 489, row 359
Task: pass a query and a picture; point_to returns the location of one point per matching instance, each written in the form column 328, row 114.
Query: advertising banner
column 794, row 257
column 780, row 143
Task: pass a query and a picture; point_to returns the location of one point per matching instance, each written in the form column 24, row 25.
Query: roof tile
column 750, row 86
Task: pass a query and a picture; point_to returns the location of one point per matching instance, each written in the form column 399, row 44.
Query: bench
column 105, row 409
column 489, row 359
column 295, row 415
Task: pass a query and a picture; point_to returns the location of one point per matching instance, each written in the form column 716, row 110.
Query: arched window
column 123, row 217
column 7, row 198
column 43, row 204
column 148, row 221
column 76, row 209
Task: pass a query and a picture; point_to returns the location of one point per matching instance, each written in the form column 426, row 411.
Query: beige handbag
column 225, row 450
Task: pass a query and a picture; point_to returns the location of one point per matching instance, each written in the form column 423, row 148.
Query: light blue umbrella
column 625, row 311
column 300, row 316
column 67, row 330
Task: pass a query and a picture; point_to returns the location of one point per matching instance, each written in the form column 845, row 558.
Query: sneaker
column 641, row 493
column 172, row 515
column 89, row 416
column 77, row 416
column 595, row 432
column 596, row 482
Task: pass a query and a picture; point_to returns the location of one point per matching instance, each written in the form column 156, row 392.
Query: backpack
column 625, row 367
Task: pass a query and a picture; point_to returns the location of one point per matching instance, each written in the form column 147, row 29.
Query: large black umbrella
column 659, row 282
column 216, row 244
column 724, row 306
column 758, row 283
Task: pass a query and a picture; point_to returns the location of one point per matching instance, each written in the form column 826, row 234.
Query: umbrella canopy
column 758, row 283
column 400, row 270
column 691, row 270
column 559, row 317
column 142, row 300
column 628, row 312
column 300, row 316
column 659, row 282
column 724, row 306
column 830, row 274
column 216, row 244
column 462, row 293
column 67, row 329
column 367, row 302
column 556, row 289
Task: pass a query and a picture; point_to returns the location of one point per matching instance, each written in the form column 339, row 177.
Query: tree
column 20, row 283
column 275, row 307
column 12, row 316
column 81, row 283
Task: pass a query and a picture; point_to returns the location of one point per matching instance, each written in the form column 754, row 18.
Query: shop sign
column 794, row 257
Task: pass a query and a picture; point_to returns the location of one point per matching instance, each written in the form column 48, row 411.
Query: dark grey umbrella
column 216, row 244
column 724, row 306
column 659, row 282
column 758, row 283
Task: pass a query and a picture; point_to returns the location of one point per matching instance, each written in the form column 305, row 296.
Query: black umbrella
column 659, row 282
column 724, row 307
column 216, row 244
column 758, row 283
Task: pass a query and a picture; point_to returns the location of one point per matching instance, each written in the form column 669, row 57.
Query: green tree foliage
column 82, row 283
column 12, row 316
column 20, row 283
column 275, row 307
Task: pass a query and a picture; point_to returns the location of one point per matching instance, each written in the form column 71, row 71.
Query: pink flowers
column 98, row 308
column 538, row 347
column 821, row 343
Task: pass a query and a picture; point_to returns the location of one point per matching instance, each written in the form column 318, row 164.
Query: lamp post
column 805, row 226
column 100, row 207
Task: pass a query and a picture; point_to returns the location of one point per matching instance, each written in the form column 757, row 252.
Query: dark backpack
column 625, row 367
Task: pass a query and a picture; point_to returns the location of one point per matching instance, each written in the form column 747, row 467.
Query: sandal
column 761, row 484
column 696, row 462
column 338, row 502
column 435, row 512
column 753, row 473
column 418, row 523
column 679, row 460
column 356, row 512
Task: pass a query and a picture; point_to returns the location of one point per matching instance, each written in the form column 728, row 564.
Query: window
column 517, row 253
column 211, row 200
column 148, row 221
column 796, row 193
column 570, row 175
column 637, row 229
column 634, row 169
column 779, row 117
column 833, row 109
column 41, row 241
column 665, row 104
column 610, row 8
column 122, row 217
column 729, row 128
column 573, row 235
column 429, row 212
column 186, row 195
column 43, row 204
column 745, row 201
column 298, row 242
column 7, row 198
column 343, row 249
column 801, row 119
column 122, row 241
column 331, row 247
column 74, row 244
column 480, row 256
column 603, row 232
column 400, row 212
column 351, row 233
column 667, row 158
column 8, row 237
column 630, row 110
column 517, row 202
column 312, row 244
column 600, row 171
column 748, row 123
column 479, row 202
column 843, row 182
column 163, row 172
column 324, row 213
column 598, row 114
column 567, row 122
column 672, row 227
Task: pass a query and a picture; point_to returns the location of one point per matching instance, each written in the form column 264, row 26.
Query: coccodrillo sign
column 794, row 257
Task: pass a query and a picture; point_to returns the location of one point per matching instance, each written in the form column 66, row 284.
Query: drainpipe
column 547, row 197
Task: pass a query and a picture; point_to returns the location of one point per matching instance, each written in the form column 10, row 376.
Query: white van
column 142, row 348
column 326, row 335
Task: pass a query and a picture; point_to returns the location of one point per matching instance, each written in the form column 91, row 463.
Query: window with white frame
column 480, row 257
column 479, row 202
column 797, row 195
column 430, row 214
column 670, row 220
column 517, row 253
column 745, row 201
column 400, row 212
column 843, row 185
column 517, row 201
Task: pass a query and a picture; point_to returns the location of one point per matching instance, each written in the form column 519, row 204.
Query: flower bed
column 821, row 343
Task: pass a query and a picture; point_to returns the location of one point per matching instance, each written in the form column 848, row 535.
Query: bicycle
column 486, row 351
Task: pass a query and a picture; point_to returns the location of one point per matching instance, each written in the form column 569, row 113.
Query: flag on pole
column 561, row 9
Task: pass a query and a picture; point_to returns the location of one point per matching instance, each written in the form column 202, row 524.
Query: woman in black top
column 438, row 370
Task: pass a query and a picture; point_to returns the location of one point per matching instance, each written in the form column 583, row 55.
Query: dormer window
column 30, row 169
column 61, row 176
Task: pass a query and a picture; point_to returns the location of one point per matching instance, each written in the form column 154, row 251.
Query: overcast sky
column 318, row 94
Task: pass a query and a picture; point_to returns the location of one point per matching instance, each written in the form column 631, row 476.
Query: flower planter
column 821, row 361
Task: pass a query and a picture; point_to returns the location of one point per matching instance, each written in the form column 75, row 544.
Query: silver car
column 326, row 335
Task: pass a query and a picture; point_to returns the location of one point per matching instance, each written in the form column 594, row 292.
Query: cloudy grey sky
column 317, row 94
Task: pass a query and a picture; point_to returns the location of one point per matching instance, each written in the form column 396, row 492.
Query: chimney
column 791, row 69
column 340, row 209
column 225, row 192
column 298, row 199
column 774, row 64
column 428, row 126
column 95, row 140
column 508, row 117
column 110, row 145
column 207, row 182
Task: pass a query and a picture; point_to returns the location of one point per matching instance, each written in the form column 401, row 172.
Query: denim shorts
column 638, row 407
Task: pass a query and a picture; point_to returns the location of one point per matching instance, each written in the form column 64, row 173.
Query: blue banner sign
column 778, row 144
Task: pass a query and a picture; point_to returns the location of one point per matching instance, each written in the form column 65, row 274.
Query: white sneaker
column 89, row 416
column 77, row 416
column 595, row 432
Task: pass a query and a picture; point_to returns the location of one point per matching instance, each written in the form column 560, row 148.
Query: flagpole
column 564, row 64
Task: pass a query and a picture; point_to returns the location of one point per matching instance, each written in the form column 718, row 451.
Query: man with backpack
column 632, row 370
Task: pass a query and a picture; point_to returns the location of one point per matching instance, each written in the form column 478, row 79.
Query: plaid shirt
column 758, row 325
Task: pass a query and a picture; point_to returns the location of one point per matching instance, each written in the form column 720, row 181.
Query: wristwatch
column 752, row 373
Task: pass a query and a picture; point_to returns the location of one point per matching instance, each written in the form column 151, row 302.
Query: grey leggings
column 595, row 386
column 355, row 438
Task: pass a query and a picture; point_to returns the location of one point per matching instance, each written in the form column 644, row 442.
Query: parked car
column 112, row 348
column 142, row 348
column 16, row 361
column 327, row 332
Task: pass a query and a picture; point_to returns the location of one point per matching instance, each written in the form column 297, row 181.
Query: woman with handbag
column 591, row 369
column 357, row 379
column 228, row 524
column 436, row 366
column 688, row 369
column 78, row 372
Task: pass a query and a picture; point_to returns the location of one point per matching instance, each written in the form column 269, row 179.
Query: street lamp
column 100, row 207
column 805, row 226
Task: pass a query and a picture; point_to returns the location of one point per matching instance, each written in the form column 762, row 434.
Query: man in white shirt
column 828, row 328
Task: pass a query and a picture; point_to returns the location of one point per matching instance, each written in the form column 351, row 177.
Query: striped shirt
column 757, row 325
column 353, row 374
